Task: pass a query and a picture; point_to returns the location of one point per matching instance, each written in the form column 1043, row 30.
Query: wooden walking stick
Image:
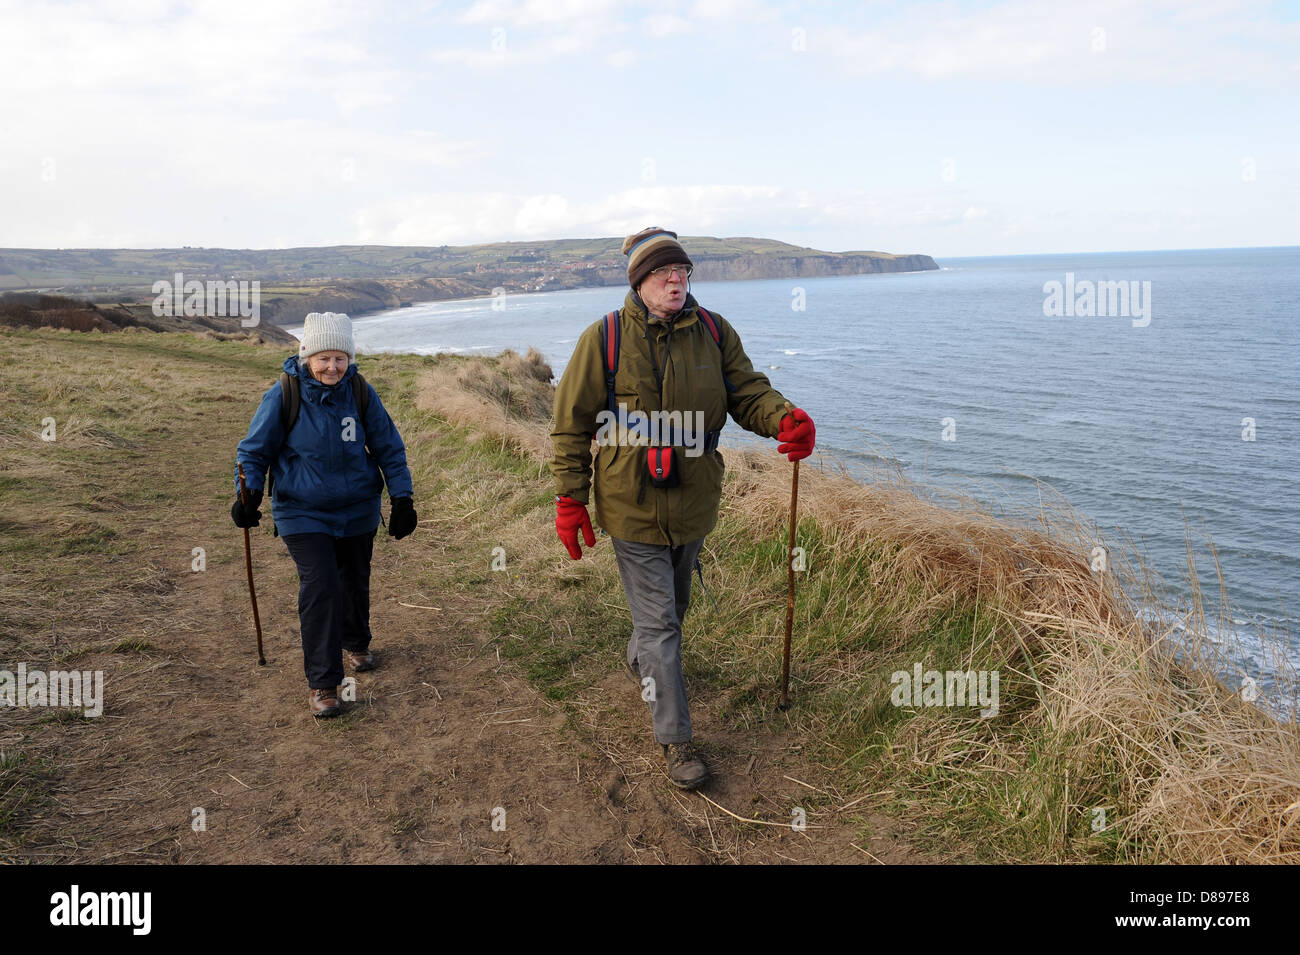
column 248, row 565
column 789, row 599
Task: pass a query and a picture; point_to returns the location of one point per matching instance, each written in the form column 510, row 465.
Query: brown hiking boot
column 685, row 767
column 324, row 702
column 361, row 660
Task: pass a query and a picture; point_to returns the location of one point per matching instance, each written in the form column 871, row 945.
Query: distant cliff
column 736, row 267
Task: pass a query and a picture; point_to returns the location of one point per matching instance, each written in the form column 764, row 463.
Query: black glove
column 247, row 516
column 401, row 520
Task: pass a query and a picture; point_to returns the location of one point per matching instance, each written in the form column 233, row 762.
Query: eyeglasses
column 667, row 272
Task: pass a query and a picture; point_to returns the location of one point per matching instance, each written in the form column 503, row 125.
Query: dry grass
column 1109, row 709
column 504, row 397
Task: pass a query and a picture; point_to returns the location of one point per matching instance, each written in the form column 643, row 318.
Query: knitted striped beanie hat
column 650, row 249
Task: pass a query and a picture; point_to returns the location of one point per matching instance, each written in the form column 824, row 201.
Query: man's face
column 664, row 290
column 328, row 367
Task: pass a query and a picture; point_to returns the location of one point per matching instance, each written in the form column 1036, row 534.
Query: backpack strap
column 361, row 395
column 610, row 338
column 290, row 401
column 710, row 324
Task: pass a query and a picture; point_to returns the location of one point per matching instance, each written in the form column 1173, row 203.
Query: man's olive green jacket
column 692, row 367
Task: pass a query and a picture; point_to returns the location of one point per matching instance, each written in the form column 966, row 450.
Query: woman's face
column 328, row 367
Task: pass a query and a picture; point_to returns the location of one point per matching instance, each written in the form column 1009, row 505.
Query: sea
column 1158, row 393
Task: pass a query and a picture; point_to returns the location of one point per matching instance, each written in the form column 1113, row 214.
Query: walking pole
column 789, row 599
column 248, row 565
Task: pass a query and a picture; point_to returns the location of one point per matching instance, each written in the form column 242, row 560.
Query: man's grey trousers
column 657, row 581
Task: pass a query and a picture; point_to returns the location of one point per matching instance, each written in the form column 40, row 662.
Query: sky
column 953, row 129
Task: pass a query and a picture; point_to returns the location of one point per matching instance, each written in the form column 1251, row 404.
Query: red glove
column 569, row 516
column 796, row 435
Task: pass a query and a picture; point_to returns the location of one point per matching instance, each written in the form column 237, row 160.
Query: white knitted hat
column 327, row 331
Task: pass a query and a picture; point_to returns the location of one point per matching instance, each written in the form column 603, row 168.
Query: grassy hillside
column 360, row 280
column 1106, row 746
column 363, row 279
column 32, row 268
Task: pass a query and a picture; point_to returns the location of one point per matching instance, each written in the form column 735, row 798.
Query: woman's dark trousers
column 333, row 601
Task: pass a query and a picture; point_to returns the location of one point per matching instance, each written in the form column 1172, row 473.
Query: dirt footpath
column 446, row 755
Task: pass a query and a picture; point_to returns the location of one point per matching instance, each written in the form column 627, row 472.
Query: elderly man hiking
column 653, row 383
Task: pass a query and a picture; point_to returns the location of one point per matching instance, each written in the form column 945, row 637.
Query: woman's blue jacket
column 330, row 470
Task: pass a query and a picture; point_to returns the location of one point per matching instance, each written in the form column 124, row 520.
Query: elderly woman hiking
column 330, row 447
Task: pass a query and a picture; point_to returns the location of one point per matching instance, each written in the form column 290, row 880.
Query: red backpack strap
column 710, row 324
column 610, row 339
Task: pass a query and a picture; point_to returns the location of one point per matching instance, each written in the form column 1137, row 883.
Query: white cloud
column 466, row 218
column 169, row 123
column 507, row 47
column 241, row 52
column 1073, row 42
column 622, row 59
column 529, row 32
column 665, row 24
column 529, row 13
column 726, row 9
